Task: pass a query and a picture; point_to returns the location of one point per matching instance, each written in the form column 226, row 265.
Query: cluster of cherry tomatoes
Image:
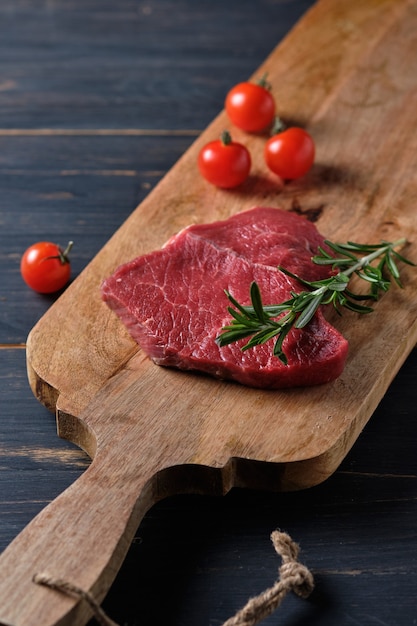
column 288, row 153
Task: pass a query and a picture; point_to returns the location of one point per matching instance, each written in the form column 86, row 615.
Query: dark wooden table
column 98, row 99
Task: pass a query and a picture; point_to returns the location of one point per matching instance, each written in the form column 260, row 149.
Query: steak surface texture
column 173, row 304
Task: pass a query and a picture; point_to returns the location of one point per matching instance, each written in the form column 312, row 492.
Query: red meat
column 172, row 300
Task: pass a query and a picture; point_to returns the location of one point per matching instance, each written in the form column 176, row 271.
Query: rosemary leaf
column 255, row 296
column 308, row 313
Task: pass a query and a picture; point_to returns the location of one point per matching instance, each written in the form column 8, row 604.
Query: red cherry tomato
column 290, row 154
column 224, row 163
column 45, row 267
column 250, row 106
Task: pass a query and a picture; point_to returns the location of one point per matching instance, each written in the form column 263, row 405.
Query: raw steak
column 172, row 300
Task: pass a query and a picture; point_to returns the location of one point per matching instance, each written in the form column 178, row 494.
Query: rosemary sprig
column 263, row 323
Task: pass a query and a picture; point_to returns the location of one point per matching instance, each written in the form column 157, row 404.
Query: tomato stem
column 63, row 255
column 262, row 82
column 278, row 126
column 226, row 138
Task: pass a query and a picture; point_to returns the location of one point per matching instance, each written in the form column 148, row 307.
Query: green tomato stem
column 226, row 138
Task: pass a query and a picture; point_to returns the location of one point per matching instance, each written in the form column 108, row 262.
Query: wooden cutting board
column 347, row 72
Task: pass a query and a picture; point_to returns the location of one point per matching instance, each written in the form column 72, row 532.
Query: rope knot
column 292, row 573
column 293, row 576
column 298, row 577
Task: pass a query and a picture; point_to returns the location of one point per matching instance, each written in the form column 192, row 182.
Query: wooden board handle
column 141, row 455
column 81, row 537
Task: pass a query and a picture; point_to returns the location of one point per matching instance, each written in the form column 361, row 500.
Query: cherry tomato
column 45, row 267
column 224, row 163
column 290, row 154
column 250, row 106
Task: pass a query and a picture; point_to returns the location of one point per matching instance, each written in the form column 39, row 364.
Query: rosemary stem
column 366, row 260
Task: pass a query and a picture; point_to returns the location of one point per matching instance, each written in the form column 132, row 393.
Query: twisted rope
column 72, row 590
column 293, row 576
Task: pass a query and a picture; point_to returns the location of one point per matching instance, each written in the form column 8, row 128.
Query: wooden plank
column 50, row 57
column 62, row 187
column 35, row 465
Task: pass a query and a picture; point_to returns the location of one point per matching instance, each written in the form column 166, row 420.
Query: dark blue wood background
column 98, row 99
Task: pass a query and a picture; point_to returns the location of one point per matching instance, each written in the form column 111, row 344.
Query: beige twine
column 72, row 590
column 293, row 576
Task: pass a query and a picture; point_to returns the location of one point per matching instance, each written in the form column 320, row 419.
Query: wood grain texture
column 62, row 186
column 70, row 404
column 357, row 532
column 148, row 54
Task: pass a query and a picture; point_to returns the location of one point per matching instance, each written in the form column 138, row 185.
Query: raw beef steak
column 172, row 300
